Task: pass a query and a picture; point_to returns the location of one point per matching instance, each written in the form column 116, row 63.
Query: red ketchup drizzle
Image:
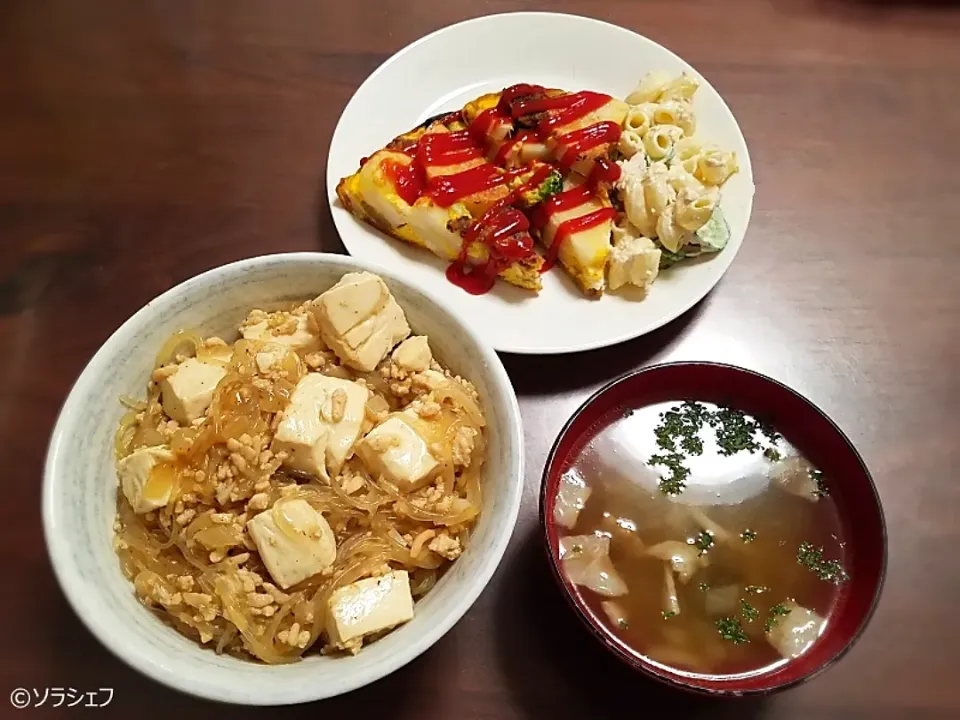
column 453, row 148
column 504, row 106
column 579, row 141
column 508, row 146
column 406, row 180
column 484, row 123
column 603, row 171
column 498, row 229
column 448, row 189
column 570, row 107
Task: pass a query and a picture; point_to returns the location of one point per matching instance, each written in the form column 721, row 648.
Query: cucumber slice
column 714, row 236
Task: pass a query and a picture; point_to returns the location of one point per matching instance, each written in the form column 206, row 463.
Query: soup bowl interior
column 80, row 484
column 812, row 433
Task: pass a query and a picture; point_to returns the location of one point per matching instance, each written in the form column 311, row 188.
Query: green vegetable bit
column 776, row 612
column 730, row 629
column 676, row 481
column 623, row 624
column 748, row 535
column 749, row 612
column 770, row 433
column 772, row 454
column 703, row 542
column 678, row 438
column 828, row 570
column 551, row 185
column 704, row 587
column 821, row 489
column 734, row 431
column 680, row 425
column 667, row 614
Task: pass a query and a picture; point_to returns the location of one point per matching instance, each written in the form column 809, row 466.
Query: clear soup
column 701, row 539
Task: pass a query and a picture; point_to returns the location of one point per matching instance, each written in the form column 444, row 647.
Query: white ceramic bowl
column 79, row 486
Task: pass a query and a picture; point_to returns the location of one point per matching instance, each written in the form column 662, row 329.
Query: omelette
column 506, row 187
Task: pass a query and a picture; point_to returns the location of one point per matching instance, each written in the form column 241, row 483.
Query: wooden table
column 142, row 142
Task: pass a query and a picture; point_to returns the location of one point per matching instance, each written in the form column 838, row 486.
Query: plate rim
column 726, row 257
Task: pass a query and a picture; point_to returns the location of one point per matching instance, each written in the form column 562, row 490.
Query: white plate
column 444, row 70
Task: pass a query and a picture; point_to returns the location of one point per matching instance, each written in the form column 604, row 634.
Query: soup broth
column 724, row 548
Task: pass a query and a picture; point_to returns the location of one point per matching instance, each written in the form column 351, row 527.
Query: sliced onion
column 671, row 602
column 710, row 526
column 796, row 632
column 572, row 495
column 615, row 614
column 684, row 559
column 586, row 561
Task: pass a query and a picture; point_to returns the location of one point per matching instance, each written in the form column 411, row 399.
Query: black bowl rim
column 603, row 637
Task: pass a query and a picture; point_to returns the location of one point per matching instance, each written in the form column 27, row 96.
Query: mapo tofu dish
column 301, row 487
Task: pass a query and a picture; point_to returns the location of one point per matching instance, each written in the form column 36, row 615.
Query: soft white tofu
column 368, row 606
column 360, row 320
column 270, row 356
column 633, row 261
column 395, row 450
column 147, row 477
column 413, row 354
column 187, row 393
column 794, row 633
column 305, row 338
column 321, row 424
column 345, row 424
column 299, row 547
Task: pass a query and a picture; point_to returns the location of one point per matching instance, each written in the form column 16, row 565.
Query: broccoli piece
column 550, row 186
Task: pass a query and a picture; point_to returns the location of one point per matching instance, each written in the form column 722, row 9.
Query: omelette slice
column 389, row 192
column 579, row 132
column 576, row 226
column 472, row 185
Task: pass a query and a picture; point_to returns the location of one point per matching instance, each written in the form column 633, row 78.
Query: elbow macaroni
column 659, row 141
column 714, row 166
column 670, row 186
column 631, row 143
column 674, row 112
column 670, row 234
column 694, row 209
column 681, row 88
column 650, row 88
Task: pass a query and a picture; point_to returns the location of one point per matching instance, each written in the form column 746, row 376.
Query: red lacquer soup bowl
column 806, row 427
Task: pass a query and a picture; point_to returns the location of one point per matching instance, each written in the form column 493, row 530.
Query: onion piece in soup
column 794, row 633
column 586, row 561
column 572, row 495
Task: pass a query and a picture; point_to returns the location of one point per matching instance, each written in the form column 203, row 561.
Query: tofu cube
column 395, row 450
column 147, row 476
column 413, row 354
column 300, row 550
column 321, row 424
column 303, row 338
column 187, row 393
column 368, row 606
column 360, row 320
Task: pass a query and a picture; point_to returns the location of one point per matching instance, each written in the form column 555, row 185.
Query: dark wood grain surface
column 144, row 141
